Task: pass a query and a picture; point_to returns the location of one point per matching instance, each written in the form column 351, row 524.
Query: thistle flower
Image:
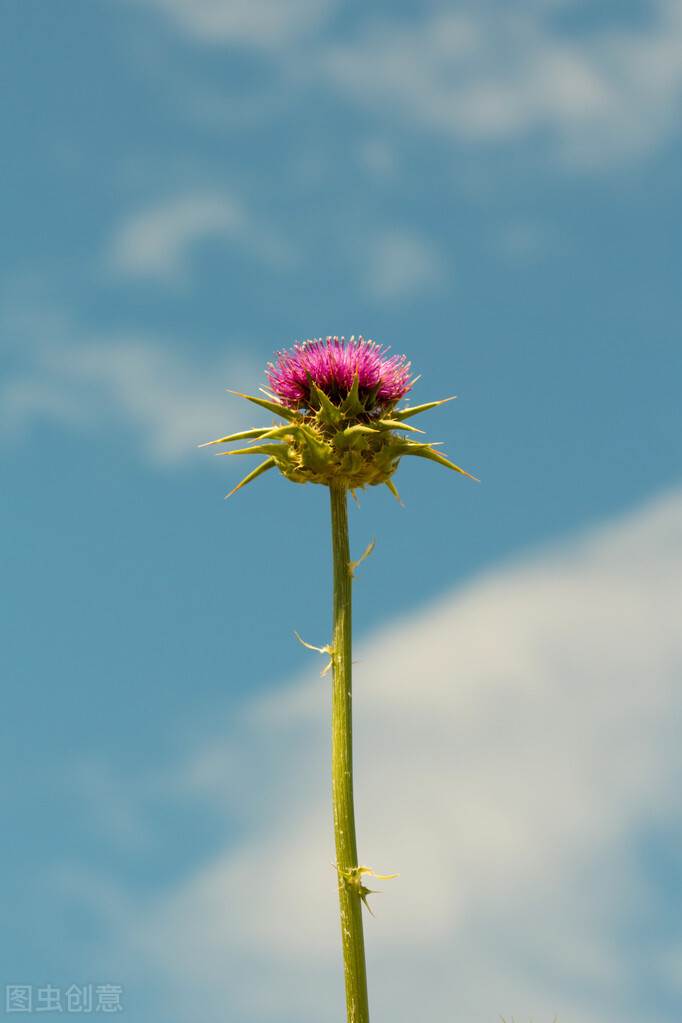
column 339, row 400
column 332, row 365
column 342, row 428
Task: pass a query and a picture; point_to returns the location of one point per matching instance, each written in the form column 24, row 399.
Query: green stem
column 342, row 767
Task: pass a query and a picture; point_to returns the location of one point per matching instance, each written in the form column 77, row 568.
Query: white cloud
column 169, row 399
column 481, row 73
column 258, row 23
column 400, row 264
column 514, row 741
column 158, row 242
column 498, row 72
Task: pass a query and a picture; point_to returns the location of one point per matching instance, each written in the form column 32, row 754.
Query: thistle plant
column 343, row 428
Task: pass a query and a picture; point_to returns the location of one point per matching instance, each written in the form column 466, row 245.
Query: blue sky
column 494, row 190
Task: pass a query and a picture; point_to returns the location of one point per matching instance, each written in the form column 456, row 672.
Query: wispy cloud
column 159, row 241
column 257, row 23
column 515, row 742
column 167, row 398
column 483, row 74
column 399, row 264
column 520, row 241
column 495, row 73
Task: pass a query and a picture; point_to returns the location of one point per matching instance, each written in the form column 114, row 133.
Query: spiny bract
column 342, row 425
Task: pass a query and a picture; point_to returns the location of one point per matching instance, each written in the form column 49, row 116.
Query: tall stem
column 342, row 767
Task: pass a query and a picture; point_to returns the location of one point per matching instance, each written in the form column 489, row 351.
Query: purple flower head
column 332, row 364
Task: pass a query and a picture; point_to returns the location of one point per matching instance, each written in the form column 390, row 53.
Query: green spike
column 405, row 413
column 269, row 463
column 371, row 399
column 351, row 403
column 257, row 449
column 280, row 431
column 272, row 406
column 350, row 431
column 318, row 452
column 352, row 436
column 331, row 412
column 394, row 490
column 363, row 892
column 394, row 424
column 424, row 451
column 244, row 435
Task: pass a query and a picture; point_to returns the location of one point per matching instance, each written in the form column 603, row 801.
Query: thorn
column 352, row 878
column 328, row 650
column 364, row 892
column 269, row 463
column 428, row 451
column 353, row 565
column 406, row 413
column 309, row 646
column 394, row 490
column 242, row 435
column 283, row 411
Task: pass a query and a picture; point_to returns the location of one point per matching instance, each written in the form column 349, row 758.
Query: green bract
column 349, row 444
